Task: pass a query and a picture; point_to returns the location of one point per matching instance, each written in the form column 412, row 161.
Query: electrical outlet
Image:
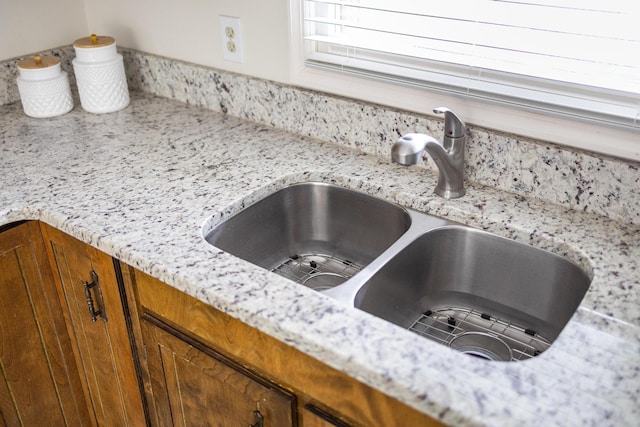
column 231, row 38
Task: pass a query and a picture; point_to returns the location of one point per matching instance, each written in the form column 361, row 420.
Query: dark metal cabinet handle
column 87, row 292
column 258, row 419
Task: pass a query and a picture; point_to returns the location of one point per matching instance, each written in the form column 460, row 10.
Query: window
column 573, row 58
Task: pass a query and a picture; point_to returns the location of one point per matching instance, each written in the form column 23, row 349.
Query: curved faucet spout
column 447, row 155
column 409, row 149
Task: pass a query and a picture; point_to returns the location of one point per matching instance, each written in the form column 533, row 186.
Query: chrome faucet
column 448, row 155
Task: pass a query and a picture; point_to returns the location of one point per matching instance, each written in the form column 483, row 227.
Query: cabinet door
column 90, row 294
column 193, row 386
column 39, row 384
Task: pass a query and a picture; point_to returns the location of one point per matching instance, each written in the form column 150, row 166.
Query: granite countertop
column 140, row 183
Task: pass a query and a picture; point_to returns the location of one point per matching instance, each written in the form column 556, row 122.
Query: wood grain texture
column 311, row 380
column 313, row 417
column 198, row 389
column 102, row 348
column 39, row 381
column 140, row 354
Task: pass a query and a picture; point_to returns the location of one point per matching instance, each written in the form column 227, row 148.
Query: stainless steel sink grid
column 479, row 334
column 478, row 293
column 317, row 271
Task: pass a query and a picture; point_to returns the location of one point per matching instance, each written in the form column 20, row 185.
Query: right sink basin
column 479, row 293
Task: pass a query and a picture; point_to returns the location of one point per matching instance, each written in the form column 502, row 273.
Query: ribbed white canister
column 100, row 76
column 43, row 87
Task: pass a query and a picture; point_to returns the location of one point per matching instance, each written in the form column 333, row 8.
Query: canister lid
column 94, row 41
column 38, row 61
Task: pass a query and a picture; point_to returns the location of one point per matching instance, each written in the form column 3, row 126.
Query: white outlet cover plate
column 231, row 43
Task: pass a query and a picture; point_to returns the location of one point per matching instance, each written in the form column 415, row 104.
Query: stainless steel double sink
column 476, row 292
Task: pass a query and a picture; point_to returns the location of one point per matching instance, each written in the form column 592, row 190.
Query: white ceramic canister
column 99, row 69
column 44, row 87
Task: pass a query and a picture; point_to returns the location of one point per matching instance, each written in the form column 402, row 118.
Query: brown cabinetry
column 39, row 384
column 195, row 386
column 314, row 417
column 344, row 401
column 97, row 323
column 89, row 341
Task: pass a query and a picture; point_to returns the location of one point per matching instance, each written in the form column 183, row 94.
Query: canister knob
column 37, row 62
column 93, row 41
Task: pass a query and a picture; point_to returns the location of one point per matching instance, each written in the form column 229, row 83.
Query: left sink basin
column 316, row 234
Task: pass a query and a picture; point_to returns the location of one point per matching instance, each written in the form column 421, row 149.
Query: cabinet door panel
column 103, row 349
column 200, row 390
column 39, row 384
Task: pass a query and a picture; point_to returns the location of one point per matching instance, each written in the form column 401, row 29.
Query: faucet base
column 449, row 193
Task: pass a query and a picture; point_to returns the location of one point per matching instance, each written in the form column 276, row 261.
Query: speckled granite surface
column 139, row 183
column 548, row 172
column 565, row 177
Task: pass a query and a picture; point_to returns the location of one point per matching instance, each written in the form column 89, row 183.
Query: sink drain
column 323, row 281
column 317, row 271
column 479, row 334
column 482, row 345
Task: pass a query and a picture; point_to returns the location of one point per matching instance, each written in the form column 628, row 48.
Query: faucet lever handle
column 454, row 127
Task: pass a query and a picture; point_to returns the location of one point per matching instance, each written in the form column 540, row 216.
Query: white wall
column 30, row 26
column 181, row 29
column 189, row 30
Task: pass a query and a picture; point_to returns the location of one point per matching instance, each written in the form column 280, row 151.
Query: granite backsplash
column 570, row 178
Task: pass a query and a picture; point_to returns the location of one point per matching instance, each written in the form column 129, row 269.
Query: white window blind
column 573, row 57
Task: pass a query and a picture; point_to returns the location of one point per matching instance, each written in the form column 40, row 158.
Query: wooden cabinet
column 39, row 384
column 91, row 298
column 86, row 340
column 193, row 385
column 180, row 364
